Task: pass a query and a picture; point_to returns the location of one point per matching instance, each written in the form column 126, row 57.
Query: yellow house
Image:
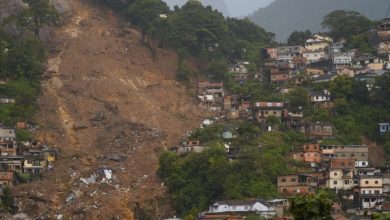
column 318, row 42
column 34, row 164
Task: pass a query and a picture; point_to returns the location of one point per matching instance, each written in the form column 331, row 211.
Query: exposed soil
column 108, row 101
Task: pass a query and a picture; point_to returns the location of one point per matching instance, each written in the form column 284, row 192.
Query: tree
column 298, row 37
column 8, row 201
column 299, row 100
column 381, row 91
column 196, row 27
column 146, row 14
column 341, row 87
column 312, row 207
column 37, row 14
column 345, row 24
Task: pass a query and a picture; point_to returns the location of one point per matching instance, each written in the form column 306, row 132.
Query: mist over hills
column 285, row 16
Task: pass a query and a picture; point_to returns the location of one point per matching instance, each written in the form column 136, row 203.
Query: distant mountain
column 216, row 4
column 285, row 16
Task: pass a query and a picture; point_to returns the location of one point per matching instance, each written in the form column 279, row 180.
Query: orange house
column 312, row 153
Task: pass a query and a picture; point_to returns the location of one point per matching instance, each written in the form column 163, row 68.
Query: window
column 366, row 182
column 376, row 181
column 335, row 182
column 363, row 155
column 293, row 180
column 363, row 163
column 377, row 192
column 342, row 164
column 346, row 182
column 352, row 155
column 283, row 180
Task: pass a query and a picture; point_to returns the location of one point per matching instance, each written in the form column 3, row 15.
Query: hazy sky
column 236, row 8
column 239, row 8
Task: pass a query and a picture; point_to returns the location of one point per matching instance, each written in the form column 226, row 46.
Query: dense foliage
column 298, row 37
column 197, row 180
column 312, row 207
column 345, row 24
column 22, row 61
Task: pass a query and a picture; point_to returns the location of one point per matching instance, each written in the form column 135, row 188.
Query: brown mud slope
column 107, row 102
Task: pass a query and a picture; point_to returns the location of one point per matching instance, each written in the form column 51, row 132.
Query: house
column 316, row 97
column 207, row 89
column 7, row 101
column 312, row 56
column 8, row 148
column 348, row 163
column 361, row 164
column 319, row 129
column 272, row 53
column 280, row 206
column 312, row 153
column 296, row 184
column 315, row 71
column 384, row 128
column 279, row 78
column 6, row 178
column 7, row 134
column 346, row 71
column 369, row 77
column 336, row 48
column 340, row 179
column 370, row 191
column 188, row 147
column 325, row 78
column 380, row 40
column 364, row 60
column 289, row 52
column 245, row 206
column 34, row 163
column 342, row 59
column 355, row 152
column 367, row 171
column 11, row 163
column 265, row 110
column 318, row 42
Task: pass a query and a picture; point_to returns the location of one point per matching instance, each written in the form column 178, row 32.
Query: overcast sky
column 236, row 8
column 239, row 8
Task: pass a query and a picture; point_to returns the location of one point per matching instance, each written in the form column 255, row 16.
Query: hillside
column 109, row 103
column 285, row 16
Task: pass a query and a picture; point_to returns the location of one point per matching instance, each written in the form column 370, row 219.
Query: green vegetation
column 312, row 207
column 38, row 14
column 197, row 180
column 8, row 201
column 298, row 38
column 22, row 60
column 345, row 24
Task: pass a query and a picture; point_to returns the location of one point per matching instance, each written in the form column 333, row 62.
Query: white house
column 342, row 60
column 360, row 164
column 7, row 134
column 319, row 96
column 239, row 206
column 312, row 56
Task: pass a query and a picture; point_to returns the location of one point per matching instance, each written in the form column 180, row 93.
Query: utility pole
column 388, row 10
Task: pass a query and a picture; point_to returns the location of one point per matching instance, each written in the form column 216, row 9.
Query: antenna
column 388, row 10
